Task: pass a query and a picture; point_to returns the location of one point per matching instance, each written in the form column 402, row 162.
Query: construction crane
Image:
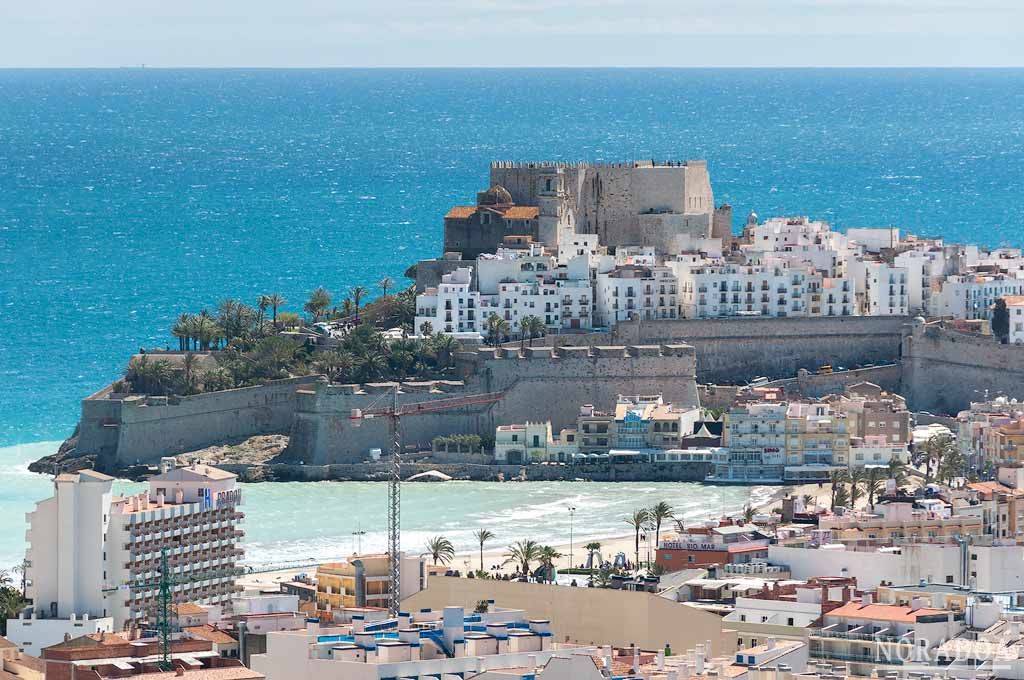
column 164, row 583
column 394, row 412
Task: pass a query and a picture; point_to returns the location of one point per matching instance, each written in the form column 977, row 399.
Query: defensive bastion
column 543, row 382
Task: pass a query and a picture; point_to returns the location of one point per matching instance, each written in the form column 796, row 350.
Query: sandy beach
column 494, row 556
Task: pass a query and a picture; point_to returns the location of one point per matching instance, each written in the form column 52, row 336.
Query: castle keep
column 639, row 203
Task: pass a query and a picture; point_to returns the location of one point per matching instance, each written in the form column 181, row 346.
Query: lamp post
column 572, row 511
column 359, row 533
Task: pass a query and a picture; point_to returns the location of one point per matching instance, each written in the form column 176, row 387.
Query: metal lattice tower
column 164, row 617
column 395, row 511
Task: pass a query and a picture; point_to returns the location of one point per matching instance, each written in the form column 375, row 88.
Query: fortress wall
column 153, row 427
column 944, row 370
column 534, row 387
column 736, row 350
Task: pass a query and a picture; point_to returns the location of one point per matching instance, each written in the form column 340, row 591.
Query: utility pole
column 359, row 533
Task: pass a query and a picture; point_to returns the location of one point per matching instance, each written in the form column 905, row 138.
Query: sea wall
column 945, row 370
column 542, row 383
column 130, row 430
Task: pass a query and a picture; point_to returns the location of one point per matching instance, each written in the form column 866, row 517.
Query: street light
column 572, row 511
column 359, row 533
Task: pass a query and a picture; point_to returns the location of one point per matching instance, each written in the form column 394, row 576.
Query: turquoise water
column 127, row 196
column 298, row 521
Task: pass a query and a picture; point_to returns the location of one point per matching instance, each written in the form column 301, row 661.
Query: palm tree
column 748, row 513
column 482, row 536
column 937, row 448
column 536, row 328
column 522, row 553
column 318, row 303
column 180, row 330
column 809, row 500
column 496, row 328
column 838, row 480
column 334, row 364
column 440, row 549
column 426, row 329
column 5, row 578
column 276, row 301
column 873, row 485
column 548, row 555
column 659, row 512
column 638, row 520
column 857, row 480
column 384, row 284
column 524, row 330
column 262, row 304
column 189, row 364
column 358, row 293
column 593, row 548
column 443, row 347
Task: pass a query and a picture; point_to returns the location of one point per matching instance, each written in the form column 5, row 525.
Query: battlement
column 646, row 163
column 569, row 352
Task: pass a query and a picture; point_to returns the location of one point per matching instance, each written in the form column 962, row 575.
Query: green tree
column 384, row 284
column 182, row 330
column 936, row 449
column 841, row 497
column 638, row 520
column 658, row 513
column 189, row 366
column 319, row 302
column 873, row 485
column 443, row 347
column 1001, row 320
column 276, row 301
column 748, row 513
column 857, row 479
column 838, row 478
column 497, row 328
column 426, row 329
column 522, row 553
column 440, row 549
column 593, row 551
column 482, row 536
column 150, row 377
column 334, row 364
column 273, row 356
column 548, row 555
column 11, row 603
column 535, row 328
column 358, row 293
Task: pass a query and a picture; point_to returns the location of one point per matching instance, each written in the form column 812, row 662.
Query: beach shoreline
column 494, row 558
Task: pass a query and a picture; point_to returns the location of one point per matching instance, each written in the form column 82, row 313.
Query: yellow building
column 360, row 582
column 1006, row 443
column 898, row 521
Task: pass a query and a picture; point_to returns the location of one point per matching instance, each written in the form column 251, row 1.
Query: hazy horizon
column 513, row 34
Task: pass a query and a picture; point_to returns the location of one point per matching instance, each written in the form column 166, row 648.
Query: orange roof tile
column 882, row 612
column 187, row 608
column 210, row 633
column 514, row 212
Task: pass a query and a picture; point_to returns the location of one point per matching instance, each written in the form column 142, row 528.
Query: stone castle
column 639, row 203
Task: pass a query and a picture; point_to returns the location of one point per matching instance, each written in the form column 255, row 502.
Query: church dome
column 496, row 195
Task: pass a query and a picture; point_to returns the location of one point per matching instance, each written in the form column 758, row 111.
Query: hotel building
column 94, row 558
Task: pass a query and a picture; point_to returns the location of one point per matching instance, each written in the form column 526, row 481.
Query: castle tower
column 555, row 223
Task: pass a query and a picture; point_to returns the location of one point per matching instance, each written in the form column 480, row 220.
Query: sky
column 411, row 33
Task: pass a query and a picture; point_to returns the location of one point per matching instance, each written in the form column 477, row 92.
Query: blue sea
column 128, row 196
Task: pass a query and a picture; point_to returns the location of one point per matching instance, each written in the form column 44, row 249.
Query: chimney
column 865, row 599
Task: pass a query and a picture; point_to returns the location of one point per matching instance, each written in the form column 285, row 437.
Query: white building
column 534, row 443
column 452, row 307
column 636, row 292
column 90, row 551
column 971, row 296
column 425, row 644
column 799, row 241
column 874, row 239
column 925, row 273
column 881, row 287
column 1015, row 307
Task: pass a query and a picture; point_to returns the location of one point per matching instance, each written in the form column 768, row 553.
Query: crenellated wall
column 541, row 383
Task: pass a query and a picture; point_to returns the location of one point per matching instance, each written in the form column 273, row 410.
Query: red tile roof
column 882, row 612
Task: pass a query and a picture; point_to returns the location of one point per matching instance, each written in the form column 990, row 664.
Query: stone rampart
column 735, row 350
column 128, row 430
column 541, row 383
column 945, row 370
